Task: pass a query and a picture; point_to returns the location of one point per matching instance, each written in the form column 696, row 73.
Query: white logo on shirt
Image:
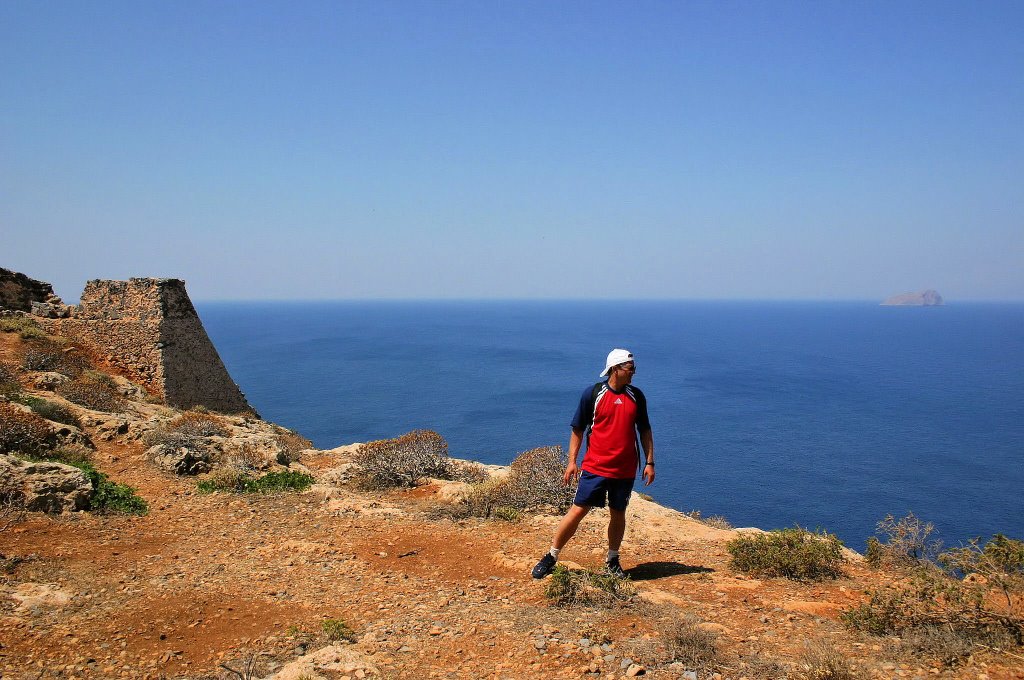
column 619, row 400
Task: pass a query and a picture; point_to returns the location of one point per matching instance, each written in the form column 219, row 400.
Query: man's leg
column 616, row 528
column 567, row 527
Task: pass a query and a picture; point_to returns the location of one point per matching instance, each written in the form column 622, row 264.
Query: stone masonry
column 149, row 329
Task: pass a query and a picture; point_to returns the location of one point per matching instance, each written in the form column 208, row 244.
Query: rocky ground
column 229, row 585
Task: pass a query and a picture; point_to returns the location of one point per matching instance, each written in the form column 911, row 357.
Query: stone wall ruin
column 148, row 329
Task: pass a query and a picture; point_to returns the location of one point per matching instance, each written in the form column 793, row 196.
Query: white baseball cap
column 616, row 357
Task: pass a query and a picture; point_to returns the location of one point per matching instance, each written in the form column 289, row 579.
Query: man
column 610, row 415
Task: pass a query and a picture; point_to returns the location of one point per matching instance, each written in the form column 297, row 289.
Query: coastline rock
column 181, row 460
column 44, row 487
column 925, row 298
column 19, row 292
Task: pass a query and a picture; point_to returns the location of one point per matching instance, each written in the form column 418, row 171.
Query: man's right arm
column 572, row 471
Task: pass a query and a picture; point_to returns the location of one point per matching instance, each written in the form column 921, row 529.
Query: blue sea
column 824, row 414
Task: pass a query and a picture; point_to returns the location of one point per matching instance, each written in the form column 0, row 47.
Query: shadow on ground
column 648, row 571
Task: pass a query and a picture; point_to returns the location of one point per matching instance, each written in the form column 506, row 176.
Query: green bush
column 93, row 390
column 110, row 496
column 577, row 587
column 794, row 553
column 390, row 463
column 23, row 432
column 337, row 630
column 229, row 479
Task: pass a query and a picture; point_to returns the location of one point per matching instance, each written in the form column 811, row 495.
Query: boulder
column 48, row 380
column 181, row 460
column 69, row 435
column 44, row 487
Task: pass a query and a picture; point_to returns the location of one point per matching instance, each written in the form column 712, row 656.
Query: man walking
column 610, row 415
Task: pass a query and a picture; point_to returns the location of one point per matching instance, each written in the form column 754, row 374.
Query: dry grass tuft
column 821, row 661
column 686, row 642
column 582, row 587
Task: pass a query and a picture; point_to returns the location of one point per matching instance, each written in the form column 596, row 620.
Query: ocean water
column 772, row 414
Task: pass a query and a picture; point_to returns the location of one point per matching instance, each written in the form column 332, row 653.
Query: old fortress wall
column 149, row 329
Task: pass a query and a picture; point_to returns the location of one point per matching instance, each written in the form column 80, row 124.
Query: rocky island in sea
column 925, row 298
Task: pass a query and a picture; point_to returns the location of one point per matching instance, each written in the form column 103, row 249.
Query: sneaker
column 545, row 566
column 613, row 567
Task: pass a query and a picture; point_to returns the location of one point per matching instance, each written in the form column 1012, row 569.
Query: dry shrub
column 189, row 430
column 906, row 541
column 70, row 454
column 197, row 423
column 9, row 384
column 949, row 645
column 970, row 596
column 390, row 463
column 292, row 444
column 93, row 390
column 224, row 478
column 822, row 661
column 47, row 354
column 246, row 457
column 968, row 612
column 714, row 521
column 23, row 432
column 469, row 472
column 535, row 480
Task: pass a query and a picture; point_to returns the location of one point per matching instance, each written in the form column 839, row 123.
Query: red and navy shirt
column 611, row 421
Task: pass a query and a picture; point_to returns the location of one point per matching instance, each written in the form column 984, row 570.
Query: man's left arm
column 647, row 441
column 643, row 426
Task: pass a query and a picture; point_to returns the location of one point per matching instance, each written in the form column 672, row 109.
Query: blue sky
column 515, row 149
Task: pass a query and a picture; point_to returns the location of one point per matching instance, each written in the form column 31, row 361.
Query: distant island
column 927, row 298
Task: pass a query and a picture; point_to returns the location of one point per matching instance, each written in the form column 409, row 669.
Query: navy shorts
column 595, row 490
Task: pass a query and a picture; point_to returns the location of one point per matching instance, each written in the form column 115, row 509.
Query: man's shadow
column 648, row 571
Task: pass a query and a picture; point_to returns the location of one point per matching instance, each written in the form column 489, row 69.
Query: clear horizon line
column 946, row 302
